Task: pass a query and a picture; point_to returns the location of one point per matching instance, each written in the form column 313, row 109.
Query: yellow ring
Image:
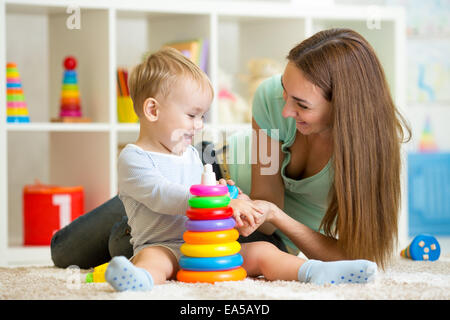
column 211, row 237
column 70, row 94
column 12, row 74
column 17, row 112
column 210, row 250
column 211, row 276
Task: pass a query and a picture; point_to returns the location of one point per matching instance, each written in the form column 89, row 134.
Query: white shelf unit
column 116, row 33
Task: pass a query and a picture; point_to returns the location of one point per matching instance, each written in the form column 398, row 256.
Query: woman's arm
column 268, row 187
column 311, row 243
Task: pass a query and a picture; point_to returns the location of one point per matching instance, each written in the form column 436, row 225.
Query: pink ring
column 13, row 80
column 16, row 104
column 207, row 191
column 70, row 113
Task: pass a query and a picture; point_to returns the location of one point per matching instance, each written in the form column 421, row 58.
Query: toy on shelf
column 125, row 110
column 49, row 208
column 422, row 247
column 210, row 252
column 16, row 106
column 427, row 142
column 98, row 275
column 70, row 103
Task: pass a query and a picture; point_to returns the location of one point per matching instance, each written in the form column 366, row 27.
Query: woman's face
column 304, row 102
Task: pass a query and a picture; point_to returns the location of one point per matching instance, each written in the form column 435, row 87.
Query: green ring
column 209, row 202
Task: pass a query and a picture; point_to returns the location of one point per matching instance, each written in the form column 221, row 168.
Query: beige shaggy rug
column 403, row 280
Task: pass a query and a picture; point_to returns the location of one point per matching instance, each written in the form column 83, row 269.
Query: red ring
column 209, row 213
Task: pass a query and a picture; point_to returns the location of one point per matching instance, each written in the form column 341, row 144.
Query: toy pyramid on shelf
column 17, row 110
column 70, row 103
column 427, row 142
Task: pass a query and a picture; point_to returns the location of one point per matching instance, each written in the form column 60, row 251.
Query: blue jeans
column 93, row 238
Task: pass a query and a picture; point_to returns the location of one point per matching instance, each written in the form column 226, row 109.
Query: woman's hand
column 266, row 208
column 245, row 213
column 249, row 214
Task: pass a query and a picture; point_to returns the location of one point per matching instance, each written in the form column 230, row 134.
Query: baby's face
column 182, row 113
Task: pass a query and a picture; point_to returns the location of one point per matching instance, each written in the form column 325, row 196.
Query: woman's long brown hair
column 367, row 132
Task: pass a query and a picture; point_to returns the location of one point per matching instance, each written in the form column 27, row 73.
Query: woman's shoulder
column 271, row 87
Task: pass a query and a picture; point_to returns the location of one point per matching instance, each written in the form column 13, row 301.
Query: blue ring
column 210, row 225
column 70, row 73
column 21, row 119
column 233, row 190
column 211, row 263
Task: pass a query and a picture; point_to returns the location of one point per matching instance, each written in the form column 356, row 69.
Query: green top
column 305, row 200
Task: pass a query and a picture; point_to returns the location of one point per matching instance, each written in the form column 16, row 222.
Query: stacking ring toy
column 209, row 213
column 210, row 225
column 209, row 202
column 212, row 276
column 202, row 190
column 210, row 237
column 210, row 250
column 211, row 263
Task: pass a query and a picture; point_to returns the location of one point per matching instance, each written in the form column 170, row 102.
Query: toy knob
column 70, row 63
column 208, row 176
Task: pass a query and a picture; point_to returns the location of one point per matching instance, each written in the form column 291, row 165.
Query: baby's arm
column 140, row 179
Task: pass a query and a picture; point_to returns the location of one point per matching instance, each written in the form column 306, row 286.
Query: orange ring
column 70, row 100
column 210, row 237
column 211, row 276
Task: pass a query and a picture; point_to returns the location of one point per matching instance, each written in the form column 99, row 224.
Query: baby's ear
column 150, row 109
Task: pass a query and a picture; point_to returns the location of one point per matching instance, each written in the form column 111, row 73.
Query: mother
column 336, row 191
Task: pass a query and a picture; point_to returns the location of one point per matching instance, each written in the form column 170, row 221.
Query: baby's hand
column 247, row 211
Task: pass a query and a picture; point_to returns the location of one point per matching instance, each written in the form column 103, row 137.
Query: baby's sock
column 122, row 275
column 335, row 272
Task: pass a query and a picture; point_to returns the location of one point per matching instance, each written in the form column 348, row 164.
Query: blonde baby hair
column 157, row 74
